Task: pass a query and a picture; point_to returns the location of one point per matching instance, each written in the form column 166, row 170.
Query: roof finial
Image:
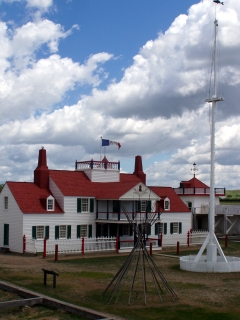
column 194, row 169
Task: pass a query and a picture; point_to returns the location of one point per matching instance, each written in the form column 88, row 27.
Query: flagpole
column 101, row 150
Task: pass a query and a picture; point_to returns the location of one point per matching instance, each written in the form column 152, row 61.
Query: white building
column 89, row 201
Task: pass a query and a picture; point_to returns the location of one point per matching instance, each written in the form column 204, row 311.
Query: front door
column 6, row 235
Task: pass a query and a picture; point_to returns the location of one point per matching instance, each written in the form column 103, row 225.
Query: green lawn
column 82, row 280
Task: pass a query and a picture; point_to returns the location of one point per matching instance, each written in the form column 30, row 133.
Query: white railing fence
column 82, row 245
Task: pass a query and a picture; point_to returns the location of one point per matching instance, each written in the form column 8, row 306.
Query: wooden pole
column 56, row 252
column 178, row 248
column 44, row 247
column 82, row 245
column 226, row 240
column 24, row 243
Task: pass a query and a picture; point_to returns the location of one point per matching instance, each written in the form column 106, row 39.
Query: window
column 160, row 228
column 84, row 231
column 145, row 228
column 50, row 204
column 115, row 205
column 143, row 206
column 40, row 232
column 175, row 227
column 62, row 232
column 6, row 203
column 189, row 204
column 126, row 230
column 85, row 205
column 166, row 204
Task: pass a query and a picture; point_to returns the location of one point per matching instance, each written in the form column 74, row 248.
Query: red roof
column 30, row 198
column 176, row 204
column 76, row 183
column 194, row 183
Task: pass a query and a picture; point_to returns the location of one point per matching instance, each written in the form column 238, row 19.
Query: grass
column 232, row 198
column 82, row 281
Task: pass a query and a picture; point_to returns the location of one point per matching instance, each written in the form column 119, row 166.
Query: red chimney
column 138, row 171
column 41, row 175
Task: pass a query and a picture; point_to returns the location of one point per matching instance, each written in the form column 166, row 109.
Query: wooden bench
column 50, row 272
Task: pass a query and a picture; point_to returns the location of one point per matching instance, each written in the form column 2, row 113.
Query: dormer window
column 50, row 203
column 166, row 204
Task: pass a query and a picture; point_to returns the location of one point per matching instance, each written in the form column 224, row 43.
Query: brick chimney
column 41, row 173
column 138, row 171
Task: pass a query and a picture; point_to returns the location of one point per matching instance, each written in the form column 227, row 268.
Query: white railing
column 191, row 238
column 30, row 246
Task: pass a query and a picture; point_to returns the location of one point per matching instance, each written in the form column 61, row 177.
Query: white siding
column 14, row 217
column 198, row 202
column 184, row 217
column 56, row 193
column 101, row 175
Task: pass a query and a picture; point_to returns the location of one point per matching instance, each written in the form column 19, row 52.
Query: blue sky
column 130, row 71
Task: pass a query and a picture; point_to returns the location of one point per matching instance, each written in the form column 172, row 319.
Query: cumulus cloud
column 40, row 4
column 157, row 109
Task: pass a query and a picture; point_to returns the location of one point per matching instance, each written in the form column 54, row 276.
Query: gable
column 140, row 192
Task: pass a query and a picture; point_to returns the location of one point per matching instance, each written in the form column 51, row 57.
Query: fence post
column 178, row 248
column 226, row 240
column 82, row 245
column 188, row 238
column 56, row 252
column 117, row 243
column 44, row 247
column 151, row 249
column 24, row 243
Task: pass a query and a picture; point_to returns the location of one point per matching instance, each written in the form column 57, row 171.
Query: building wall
column 184, row 217
column 14, row 217
column 198, row 202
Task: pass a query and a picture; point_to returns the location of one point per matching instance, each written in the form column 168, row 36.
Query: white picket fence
column 71, row 245
column 195, row 237
column 108, row 244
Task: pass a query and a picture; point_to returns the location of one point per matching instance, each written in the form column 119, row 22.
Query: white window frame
column 175, row 227
column 5, row 203
column 161, row 228
column 166, row 204
column 143, row 206
column 40, row 232
column 50, row 203
column 63, row 232
column 84, row 231
column 85, row 205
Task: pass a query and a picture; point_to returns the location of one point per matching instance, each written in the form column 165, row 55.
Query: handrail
column 92, row 164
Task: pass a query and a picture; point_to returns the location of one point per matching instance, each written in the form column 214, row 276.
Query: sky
column 136, row 72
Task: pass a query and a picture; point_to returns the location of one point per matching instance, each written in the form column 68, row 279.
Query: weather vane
column 194, row 169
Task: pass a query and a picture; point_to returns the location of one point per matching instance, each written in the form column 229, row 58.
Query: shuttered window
column 63, row 232
column 84, row 230
column 176, row 227
column 40, row 232
column 85, row 205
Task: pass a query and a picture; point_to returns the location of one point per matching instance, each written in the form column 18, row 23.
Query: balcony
column 114, row 216
column 92, row 164
column 199, row 191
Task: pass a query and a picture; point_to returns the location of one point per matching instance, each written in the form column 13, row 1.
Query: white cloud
column 156, row 110
column 40, row 4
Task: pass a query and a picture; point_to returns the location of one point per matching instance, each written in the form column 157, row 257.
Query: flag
column 106, row 142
